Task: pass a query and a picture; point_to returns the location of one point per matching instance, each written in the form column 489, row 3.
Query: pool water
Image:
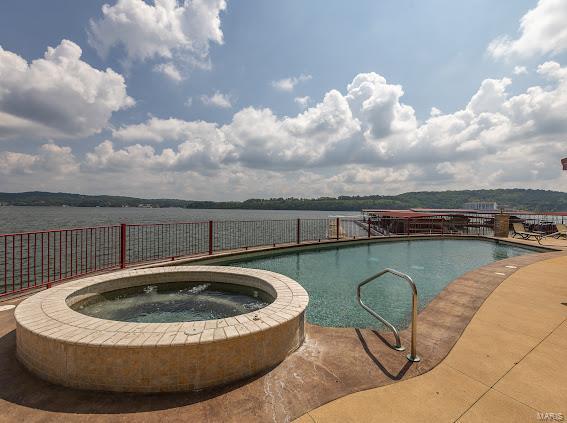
column 330, row 276
column 175, row 302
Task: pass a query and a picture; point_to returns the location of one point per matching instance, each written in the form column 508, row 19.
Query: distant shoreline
column 525, row 199
column 171, row 207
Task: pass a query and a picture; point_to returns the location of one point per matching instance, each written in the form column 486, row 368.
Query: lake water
column 23, row 219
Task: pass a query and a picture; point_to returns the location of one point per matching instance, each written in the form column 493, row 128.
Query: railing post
column 338, row 223
column 298, row 231
column 412, row 356
column 210, row 237
column 408, row 222
column 369, row 228
column 122, row 245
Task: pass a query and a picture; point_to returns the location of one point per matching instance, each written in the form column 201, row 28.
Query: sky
column 226, row 100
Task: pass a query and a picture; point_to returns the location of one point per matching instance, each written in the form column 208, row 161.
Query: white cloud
column 57, row 96
column 189, row 102
column 288, row 84
column 552, row 70
column 369, row 125
column 51, row 159
column 490, row 96
column 16, row 163
column 377, row 103
column 363, row 140
column 200, row 152
column 435, row 112
column 311, row 139
column 169, row 70
column 520, row 70
column 218, row 99
column 302, row 102
column 165, row 29
column 159, row 130
column 543, row 30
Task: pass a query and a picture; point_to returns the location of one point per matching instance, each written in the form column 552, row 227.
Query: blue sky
column 284, row 120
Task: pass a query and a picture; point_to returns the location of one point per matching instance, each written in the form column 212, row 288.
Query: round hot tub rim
column 73, row 349
column 143, row 278
column 290, row 298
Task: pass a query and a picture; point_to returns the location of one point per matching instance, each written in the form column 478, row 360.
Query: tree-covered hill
column 534, row 200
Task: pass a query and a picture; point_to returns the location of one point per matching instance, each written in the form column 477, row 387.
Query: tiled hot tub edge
column 69, row 348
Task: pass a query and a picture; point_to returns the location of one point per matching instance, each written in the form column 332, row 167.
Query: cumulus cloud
column 58, row 95
column 12, row 163
column 288, row 84
column 157, row 130
column 520, row 70
column 51, row 159
column 166, row 29
column 435, row 112
column 361, row 140
column 169, row 70
column 490, row 96
column 197, row 153
column 370, row 125
column 377, row 103
column 542, row 31
column 263, row 140
column 302, row 102
column 218, row 99
column 552, row 70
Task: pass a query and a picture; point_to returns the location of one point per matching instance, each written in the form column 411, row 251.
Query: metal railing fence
column 38, row 259
column 34, row 259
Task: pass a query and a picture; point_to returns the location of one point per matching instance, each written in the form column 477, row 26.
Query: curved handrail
column 412, row 356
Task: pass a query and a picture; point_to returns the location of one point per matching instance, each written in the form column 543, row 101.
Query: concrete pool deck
column 508, row 365
column 335, row 362
column 548, row 242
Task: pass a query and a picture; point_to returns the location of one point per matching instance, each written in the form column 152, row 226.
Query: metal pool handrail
column 412, row 356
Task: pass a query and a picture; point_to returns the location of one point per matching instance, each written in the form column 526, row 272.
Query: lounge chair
column 561, row 231
column 518, row 229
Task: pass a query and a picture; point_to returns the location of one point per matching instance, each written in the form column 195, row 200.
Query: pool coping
column 253, row 252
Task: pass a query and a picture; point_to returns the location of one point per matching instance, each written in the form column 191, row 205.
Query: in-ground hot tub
column 152, row 336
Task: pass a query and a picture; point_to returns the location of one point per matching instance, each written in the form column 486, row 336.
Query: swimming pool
column 330, row 275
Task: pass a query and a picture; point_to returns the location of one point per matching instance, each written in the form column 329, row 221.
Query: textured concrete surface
column 332, row 363
column 509, row 364
column 559, row 243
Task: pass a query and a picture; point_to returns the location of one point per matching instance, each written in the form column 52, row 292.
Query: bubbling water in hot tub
column 175, row 302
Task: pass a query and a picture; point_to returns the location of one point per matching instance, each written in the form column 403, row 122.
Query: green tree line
column 525, row 199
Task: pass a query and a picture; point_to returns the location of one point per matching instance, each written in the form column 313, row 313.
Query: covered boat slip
column 456, row 221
